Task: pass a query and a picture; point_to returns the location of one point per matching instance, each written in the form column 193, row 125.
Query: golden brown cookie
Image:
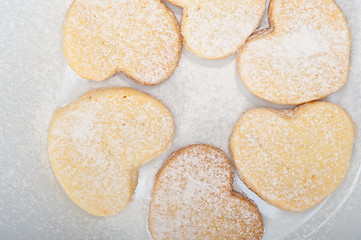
column 97, row 143
column 293, row 159
column 193, row 199
column 215, row 29
column 140, row 38
column 304, row 56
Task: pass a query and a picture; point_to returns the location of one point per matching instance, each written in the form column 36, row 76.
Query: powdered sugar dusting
column 205, row 97
column 97, row 144
column 192, row 199
column 216, row 29
column 303, row 43
column 303, row 57
column 140, row 38
column 294, row 161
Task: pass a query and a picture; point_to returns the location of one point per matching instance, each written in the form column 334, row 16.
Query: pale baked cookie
column 304, row 56
column 215, row 29
column 293, row 158
column 193, row 199
column 140, row 38
column 97, row 143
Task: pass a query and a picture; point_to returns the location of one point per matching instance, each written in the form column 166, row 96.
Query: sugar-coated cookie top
column 140, row 38
column 216, row 28
column 97, row 143
column 193, row 199
column 293, row 159
column 303, row 57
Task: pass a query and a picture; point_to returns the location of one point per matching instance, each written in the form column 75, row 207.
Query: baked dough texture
column 193, row 199
column 304, row 56
column 293, row 159
column 97, row 143
column 140, row 38
column 215, row 29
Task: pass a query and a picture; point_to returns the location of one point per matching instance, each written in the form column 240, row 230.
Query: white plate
column 205, row 97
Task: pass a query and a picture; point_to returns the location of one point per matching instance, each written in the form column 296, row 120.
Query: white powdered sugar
column 140, row 38
column 304, row 56
column 216, row 29
column 293, row 161
column 206, row 97
column 193, row 198
column 97, row 144
column 303, row 43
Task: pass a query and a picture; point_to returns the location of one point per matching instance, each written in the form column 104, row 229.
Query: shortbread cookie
column 293, row 158
column 97, row 143
column 140, row 38
column 215, row 29
column 304, row 56
column 193, row 199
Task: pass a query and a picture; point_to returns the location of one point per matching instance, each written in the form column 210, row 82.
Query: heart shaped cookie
column 293, row 158
column 215, row 29
column 97, row 143
column 304, row 56
column 193, row 199
column 140, row 38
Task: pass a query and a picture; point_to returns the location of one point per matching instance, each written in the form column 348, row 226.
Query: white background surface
column 205, row 97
